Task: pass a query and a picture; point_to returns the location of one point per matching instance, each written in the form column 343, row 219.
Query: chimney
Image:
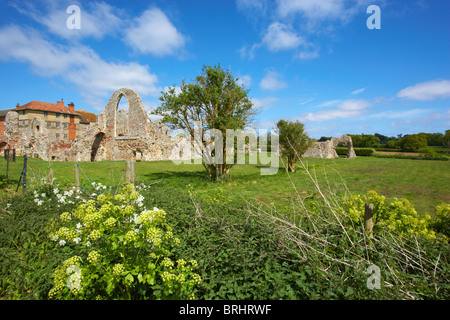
column 60, row 103
column 71, row 107
column 18, row 105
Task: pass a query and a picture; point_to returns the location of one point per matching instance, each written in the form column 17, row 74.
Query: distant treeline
column 410, row 143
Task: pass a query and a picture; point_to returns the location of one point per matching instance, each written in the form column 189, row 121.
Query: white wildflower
column 62, row 242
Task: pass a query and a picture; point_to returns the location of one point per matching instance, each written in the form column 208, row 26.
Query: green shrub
column 427, row 151
column 361, row 152
column 441, row 221
column 413, row 157
column 120, row 252
column 397, row 216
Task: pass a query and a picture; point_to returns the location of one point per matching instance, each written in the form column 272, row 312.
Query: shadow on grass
column 12, row 182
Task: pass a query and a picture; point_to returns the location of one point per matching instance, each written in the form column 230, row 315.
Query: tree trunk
column 291, row 164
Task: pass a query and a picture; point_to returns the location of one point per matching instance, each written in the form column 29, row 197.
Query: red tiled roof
column 46, row 106
column 87, row 117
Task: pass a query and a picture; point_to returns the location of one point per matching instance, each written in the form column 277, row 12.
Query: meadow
column 423, row 182
column 282, row 236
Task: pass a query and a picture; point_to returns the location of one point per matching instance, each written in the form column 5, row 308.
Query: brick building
column 61, row 121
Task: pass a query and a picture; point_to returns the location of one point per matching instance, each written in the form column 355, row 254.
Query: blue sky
column 307, row 60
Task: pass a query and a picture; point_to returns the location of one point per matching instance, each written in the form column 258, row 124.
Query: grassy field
column 241, row 252
column 424, row 183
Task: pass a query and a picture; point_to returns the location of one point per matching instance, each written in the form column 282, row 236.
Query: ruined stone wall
column 117, row 135
column 327, row 149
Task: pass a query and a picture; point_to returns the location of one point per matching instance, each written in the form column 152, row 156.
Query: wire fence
column 88, row 177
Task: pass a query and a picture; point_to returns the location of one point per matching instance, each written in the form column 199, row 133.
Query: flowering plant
column 121, row 251
column 398, row 215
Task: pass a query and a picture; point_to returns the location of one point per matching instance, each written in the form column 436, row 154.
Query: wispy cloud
column 358, row 91
column 289, row 23
column 98, row 18
column 79, row 65
column 273, row 81
column 264, row 103
column 347, row 109
column 312, row 9
column 431, row 90
column 245, row 80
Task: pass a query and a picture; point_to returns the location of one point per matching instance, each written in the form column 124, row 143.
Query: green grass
column 249, row 253
column 424, row 183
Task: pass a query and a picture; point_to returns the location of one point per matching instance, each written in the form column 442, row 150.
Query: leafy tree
column 413, row 142
column 446, row 139
column 365, row 141
column 293, row 141
column 370, row 141
column 383, row 139
column 434, row 139
column 212, row 103
column 391, row 144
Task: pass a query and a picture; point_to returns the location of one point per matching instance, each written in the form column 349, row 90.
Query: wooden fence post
column 133, row 164
column 7, row 165
column 50, row 176
column 129, row 173
column 77, row 177
column 24, row 182
column 368, row 219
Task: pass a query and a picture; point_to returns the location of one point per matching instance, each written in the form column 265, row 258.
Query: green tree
column 212, row 103
column 446, row 139
column 293, row 141
column 413, row 142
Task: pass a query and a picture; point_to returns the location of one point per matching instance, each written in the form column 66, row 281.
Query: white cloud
column 281, row 37
column 97, row 18
column 252, row 6
column 323, row 9
column 305, row 101
column 248, row 52
column 312, row 9
column 245, row 80
column 328, row 103
column 76, row 64
column 264, row 103
column 431, row 90
column 273, row 81
column 266, row 124
column 153, row 33
column 346, row 110
column 358, row 91
column 307, row 55
column 398, row 114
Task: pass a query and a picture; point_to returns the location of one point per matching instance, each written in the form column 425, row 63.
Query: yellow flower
column 118, row 269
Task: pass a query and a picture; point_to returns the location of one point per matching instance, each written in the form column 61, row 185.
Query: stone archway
column 345, row 141
column 137, row 116
column 327, row 149
column 96, row 144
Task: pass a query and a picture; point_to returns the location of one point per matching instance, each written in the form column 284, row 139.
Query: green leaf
column 150, row 279
column 129, row 278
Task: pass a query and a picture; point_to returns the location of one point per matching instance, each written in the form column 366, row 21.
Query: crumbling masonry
column 117, row 135
column 327, row 149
